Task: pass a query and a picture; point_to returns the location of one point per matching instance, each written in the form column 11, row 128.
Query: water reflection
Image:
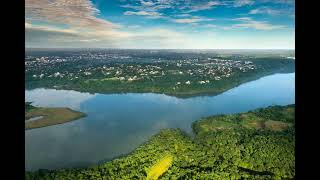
column 118, row 123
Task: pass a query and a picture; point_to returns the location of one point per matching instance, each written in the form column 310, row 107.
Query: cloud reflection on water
column 118, row 123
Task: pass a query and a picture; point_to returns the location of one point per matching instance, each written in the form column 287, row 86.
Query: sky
column 160, row 24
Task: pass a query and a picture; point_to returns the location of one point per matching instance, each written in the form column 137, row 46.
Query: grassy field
column 259, row 144
column 50, row 116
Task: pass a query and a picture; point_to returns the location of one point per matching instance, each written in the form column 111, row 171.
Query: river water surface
column 117, row 123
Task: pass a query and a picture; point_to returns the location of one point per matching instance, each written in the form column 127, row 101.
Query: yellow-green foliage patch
column 289, row 113
column 251, row 121
column 88, row 81
column 273, row 119
column 160, row 167
column 110, row 79
column 217, row 123
column 276, row 125
column 51, row 116
column 234, row 153
column 257, row 124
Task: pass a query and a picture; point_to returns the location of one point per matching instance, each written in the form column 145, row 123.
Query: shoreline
column 50, row 117
column 202, row 135
column 179, row 95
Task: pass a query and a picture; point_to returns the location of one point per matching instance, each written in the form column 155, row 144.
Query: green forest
column 258, row 144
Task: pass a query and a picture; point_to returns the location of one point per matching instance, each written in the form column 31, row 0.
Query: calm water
column 118, row 123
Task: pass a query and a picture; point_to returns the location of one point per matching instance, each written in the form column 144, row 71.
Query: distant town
column 140, row 72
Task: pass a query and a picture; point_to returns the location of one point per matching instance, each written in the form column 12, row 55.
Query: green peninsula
column 37, row 117
column 258, row 144
column 176, row 74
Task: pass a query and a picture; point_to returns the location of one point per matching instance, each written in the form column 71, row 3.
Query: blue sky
column 161, row 24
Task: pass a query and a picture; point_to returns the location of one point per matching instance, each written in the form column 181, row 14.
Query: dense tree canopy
column 254, row 145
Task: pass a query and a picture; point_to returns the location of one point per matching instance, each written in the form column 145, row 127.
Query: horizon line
column 161, row 48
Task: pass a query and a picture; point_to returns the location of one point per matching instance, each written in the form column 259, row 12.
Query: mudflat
column 50, row 116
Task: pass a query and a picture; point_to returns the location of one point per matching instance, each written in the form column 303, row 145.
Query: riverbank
column 202, row 78
column 37, row 117
column 262, row 143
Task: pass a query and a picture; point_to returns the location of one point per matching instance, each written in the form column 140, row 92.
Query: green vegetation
column 160, row 167
column 182, row 75
column 258, row 144
column 48, row 116
column 28, row 106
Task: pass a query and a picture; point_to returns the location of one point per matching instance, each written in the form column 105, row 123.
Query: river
column 117, row 123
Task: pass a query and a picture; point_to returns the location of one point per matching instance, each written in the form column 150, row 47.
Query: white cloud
column 84, row 29
column 147, row 3
column 53, row 36
column 185, row 6
column 193, row 19
column 288, row 11
column 78, row 13
column 240, row 3
column 265, row 10
column 218, row 27
column 43, row 30
column 202, row 6
column 149, row 6
column 160, row 38
column 247, row 22
column 57, row 98
column 183, row 15
column 154, row 38
column 186, row 20
column 279, row 1
column 75, row 32
column 143, row 13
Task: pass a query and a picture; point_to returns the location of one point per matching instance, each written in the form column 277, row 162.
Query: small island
column 37, row 117
column 258, row 144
